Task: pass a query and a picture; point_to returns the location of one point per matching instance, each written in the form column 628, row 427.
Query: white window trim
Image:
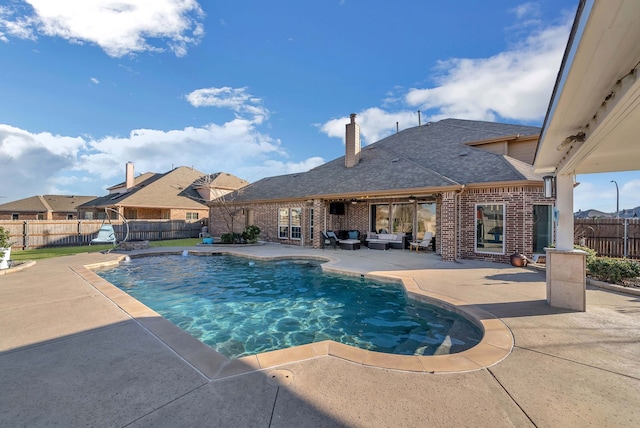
column 291, row 226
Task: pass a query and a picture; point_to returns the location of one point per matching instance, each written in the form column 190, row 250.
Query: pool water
column 242, row 307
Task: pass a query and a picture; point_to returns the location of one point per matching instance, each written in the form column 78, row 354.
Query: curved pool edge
column 496, row 344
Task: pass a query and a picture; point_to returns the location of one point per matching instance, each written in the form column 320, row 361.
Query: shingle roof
column 169, row 190
column 221, row 180
column 136, row 181
column 44, row 203
column 432, row 155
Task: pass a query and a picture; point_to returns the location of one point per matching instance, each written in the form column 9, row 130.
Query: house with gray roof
column 179, row 194
column 454, row 178
column 44, row 207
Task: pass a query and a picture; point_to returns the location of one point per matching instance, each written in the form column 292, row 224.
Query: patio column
column 566, row 267
column 448, row 231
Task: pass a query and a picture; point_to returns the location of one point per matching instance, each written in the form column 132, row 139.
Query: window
column 296, row 223
column 283, row 223
column 69, row 216
column 15, row 216
column 88, row 215
column 490, row 228
column 426, row 219
column 290, row 223
column 380, row 218
column 192, row 216
column 402, row 215
column 310, row 223
column 40, row 216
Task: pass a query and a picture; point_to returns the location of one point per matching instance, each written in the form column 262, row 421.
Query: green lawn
column 45, row 253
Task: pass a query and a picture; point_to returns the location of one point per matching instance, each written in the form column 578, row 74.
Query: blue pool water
column 243, row 307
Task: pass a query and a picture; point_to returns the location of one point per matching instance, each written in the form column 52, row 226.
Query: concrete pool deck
column 70, row 356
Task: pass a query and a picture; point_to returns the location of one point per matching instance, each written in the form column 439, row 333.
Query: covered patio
column 592, row 126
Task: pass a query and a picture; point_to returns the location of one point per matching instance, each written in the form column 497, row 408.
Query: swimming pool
column 244, row 307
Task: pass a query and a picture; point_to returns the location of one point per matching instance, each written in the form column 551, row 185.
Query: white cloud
column 527, row 10
column 236, row 99
column 275, row 167
column 375, row 124
column 95, row 81
column 119, row 27
column 44, row 163
column 514, row 85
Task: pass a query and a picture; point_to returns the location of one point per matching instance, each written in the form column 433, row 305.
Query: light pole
column 617, row 199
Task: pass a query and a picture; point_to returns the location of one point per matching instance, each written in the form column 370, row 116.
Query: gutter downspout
column 458, row 222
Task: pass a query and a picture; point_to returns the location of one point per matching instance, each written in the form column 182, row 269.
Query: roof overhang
column 593, row 120
column 418, row 192
column 505, row 139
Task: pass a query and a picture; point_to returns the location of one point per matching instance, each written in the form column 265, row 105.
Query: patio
column 71, row 356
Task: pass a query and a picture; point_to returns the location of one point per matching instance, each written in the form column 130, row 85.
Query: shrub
column 4, row 240
column 230, row 238
column 250, row 234
column 613, row 270
column 591, row 254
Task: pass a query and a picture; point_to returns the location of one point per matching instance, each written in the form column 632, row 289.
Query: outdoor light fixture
column 549, row 183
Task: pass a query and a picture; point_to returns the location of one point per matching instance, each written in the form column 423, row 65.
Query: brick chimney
column 352, row 155
column 129, row 176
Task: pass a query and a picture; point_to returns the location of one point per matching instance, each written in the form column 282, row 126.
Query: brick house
column 180, row 194
column 458, row 179
column 44, row 207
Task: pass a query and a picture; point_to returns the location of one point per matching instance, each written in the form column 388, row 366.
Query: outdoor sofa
column 382, row 241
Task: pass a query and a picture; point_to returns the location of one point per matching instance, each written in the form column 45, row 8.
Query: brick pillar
column 448, row 227
column 318, row 222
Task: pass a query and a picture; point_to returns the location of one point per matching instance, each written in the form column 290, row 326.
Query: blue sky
column 259, row 88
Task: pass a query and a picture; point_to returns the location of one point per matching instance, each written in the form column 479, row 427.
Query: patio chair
column 329, row 238
column 106, row 235
column 425, row 243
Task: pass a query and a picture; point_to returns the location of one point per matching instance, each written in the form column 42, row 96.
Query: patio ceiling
column 597, row 93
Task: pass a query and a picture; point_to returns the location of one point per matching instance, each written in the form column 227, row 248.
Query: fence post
column 626, row 226
column 25, row 235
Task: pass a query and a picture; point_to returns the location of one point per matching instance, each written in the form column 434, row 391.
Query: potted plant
column 5, row 248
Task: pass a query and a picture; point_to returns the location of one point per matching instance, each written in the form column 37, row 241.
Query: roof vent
column 395, row 160
column 464, row 153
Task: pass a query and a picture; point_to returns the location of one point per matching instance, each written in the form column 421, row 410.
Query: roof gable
column 173, row 189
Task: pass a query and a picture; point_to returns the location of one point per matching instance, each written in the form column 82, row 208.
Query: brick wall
column 518, row 222
column 451, row 208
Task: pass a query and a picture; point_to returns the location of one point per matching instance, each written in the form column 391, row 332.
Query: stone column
column 566, row 267
column 566, row 279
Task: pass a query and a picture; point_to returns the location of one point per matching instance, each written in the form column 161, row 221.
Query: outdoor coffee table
column 379, row 245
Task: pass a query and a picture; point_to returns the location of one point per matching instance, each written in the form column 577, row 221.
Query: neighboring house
column 593, row 214
column 432, row 178
column 44, row 207
column 180, row 194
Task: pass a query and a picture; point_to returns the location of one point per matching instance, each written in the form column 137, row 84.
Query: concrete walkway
column 71, row 356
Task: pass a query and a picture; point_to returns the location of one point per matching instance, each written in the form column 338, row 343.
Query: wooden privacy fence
column 55, row 233
column 609, row 237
